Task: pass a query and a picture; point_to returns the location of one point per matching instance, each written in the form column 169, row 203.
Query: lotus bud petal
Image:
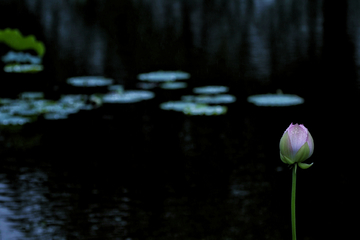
column 296, row 145
column 305, row 165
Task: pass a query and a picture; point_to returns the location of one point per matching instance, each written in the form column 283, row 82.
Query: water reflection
column 44, row 208
column 249, row 39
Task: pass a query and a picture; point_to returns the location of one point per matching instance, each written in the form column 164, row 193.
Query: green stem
column 293, row 193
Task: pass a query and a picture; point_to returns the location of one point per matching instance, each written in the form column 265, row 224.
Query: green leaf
column 305, row 165
column 303, row 153
column 286, row 159
column 285, row 145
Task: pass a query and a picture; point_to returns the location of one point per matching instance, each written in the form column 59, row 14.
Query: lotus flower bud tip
column 296, row 145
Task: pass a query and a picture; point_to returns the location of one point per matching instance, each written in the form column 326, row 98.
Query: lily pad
column 146, row 85
column 89, row 81
column 130, row 96
column 6, row 100
column 116, row 88
column 20, row 57
column 23, row 68
column 28, row 112
column 275, row 100
column 210, row 99
column 173, row 85
column 210, row 89
column 31, row 95
column 191, row 108
column 176, row 105
column 13, row 120
column 55, row 116
column 73, row 98
column 203, row 109
column 14, row 107
column 163, row 76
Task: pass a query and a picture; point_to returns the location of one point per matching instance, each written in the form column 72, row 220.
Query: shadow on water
column 132, row 170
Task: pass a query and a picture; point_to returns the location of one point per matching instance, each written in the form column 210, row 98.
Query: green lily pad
column 23, row 68
column 205, row 110
column 163, row 76
column 173, row 85
column 89, row 81
column 20, row 57
column 210, row 99
column 275, row 100
column 210, row 89
column 130, row 96
column 176, row 105
column 31, row 95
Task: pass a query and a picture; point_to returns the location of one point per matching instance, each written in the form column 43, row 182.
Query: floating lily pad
column 60, row 108
column 210, row 89
column 210, row 99
column 73, row 98
column 14, row 110
column 116, row 88
column 6, row 100
column 146, row 85
column 14, row 107
column 130, row 96
column 203, row 109
column 32, row 95
column 176, row 105
column 191, row 108
column 275, row 100
column 13, row 120
column 23, row 68
column 173, row 85
column 163, row 76
column 55, row 116
column 27, row 112
column 40, row 103
column 20, row 57
column 89, row 81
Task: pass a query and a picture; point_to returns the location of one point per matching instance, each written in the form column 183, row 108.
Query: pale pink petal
column 298, row 136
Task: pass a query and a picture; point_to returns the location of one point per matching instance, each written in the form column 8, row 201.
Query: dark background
column 137, row 172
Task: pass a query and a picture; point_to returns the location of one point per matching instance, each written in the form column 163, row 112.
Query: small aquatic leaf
column 89, row 81
column 210, row 89
column 14, row 39
column 275, row 100
column 163, row 76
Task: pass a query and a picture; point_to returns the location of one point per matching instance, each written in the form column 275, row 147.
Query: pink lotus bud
column 296, row 145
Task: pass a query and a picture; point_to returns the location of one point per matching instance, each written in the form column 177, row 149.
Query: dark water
column 137, row 172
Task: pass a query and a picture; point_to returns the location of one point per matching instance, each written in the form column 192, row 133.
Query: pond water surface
column 128, row 169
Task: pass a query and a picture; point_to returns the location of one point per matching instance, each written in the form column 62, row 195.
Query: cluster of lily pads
column 17, row 61
column 190, row 105
column 207, row 100
column 210, row 102
column 163, row 80
column 30, row 105
column 116, row 92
